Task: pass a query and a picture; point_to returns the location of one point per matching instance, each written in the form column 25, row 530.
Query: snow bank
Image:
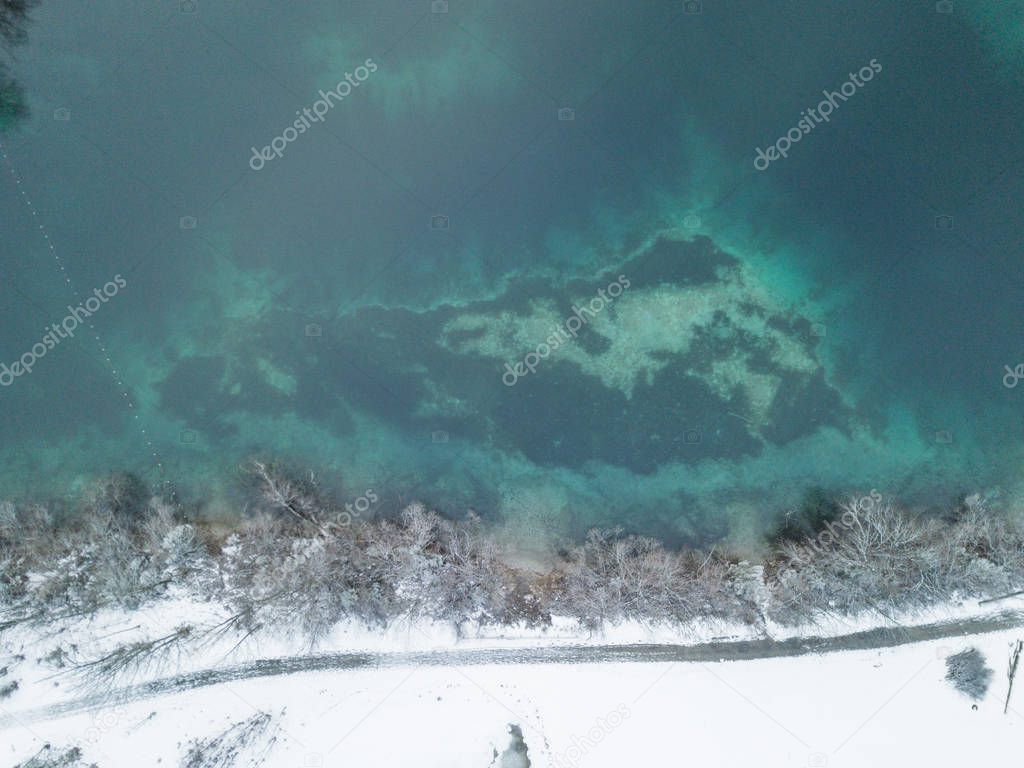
column 853, row 708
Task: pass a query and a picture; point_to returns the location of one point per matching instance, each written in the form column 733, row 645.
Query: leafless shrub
column 226, row 748
column 968, row 674
column 60, row 565
column 611, row 577
column 421, row 566
column 26, row 536
column 293, row 562
column 121, row 497
column 161, row 516
column 882, row 558
column 447, row 570
column 273, row 577
column 48, row 757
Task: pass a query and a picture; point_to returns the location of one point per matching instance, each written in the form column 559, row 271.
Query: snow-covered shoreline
column 130, row 627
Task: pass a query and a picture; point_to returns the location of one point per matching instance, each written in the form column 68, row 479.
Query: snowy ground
column 852, row 708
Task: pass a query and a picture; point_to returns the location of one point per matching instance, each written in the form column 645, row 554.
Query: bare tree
column 131, row 658
column 1011, row 672
column 283, row 492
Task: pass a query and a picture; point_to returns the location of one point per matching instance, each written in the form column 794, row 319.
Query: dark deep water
column 843, row 318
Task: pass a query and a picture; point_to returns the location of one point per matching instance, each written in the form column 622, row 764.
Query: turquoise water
column 841, row 319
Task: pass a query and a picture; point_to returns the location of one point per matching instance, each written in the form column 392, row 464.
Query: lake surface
column 553, row 262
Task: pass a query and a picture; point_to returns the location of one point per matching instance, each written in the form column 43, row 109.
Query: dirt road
column 566, row 654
